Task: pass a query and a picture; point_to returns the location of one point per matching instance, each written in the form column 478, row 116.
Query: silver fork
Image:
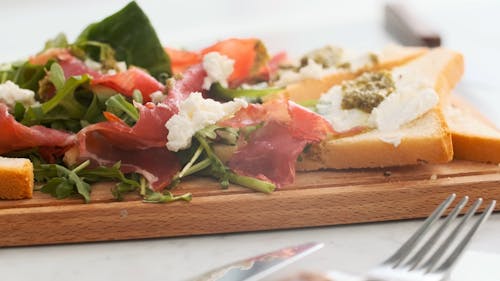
column 411, row 263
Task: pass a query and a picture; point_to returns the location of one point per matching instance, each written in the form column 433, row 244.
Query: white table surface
column 468, row 26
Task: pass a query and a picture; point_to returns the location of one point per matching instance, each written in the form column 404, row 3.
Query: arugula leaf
column 56, row 76
column 60, row 41
column 124, row 185
column 65, row 98
column 106, row 53
column 62, row 182
column 225, row 175
column 120, row 107
column 227, row 94
column 137, row 96
column 165, row 197
column 24, row 74
column 94, row 112
column 19, row 111
column 62, row 107
column 109, row 173
column 212, row 166
column 225, row 135
column 130, row 34
column 310, row 104
column 66, row 182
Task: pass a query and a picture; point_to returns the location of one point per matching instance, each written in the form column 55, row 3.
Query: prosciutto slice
column 132, row 79
column 71, row 66
column 192, row 81
column 15, row 136
column 272, row 150
column 140, row 148
column 251, row 115
column 270, row 154
column 249, row 55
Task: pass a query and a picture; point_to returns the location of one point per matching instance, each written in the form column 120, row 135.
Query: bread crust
column 475, row 138
column 368, row 151
column 16, row 182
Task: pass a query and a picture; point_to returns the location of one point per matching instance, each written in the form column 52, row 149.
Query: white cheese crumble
column 359, row 60
column 10, row 93
column 92, row 64
column 312, row 70
column 195, row 113
column 122, row 66
column 157, row 97
column 257, row 86
column 218, row 68
column 347, row 61
column 410, row 100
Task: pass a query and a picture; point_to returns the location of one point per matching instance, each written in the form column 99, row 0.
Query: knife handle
column 406, row 27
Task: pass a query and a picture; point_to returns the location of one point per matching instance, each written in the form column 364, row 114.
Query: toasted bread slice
column 16, row 178
column 390, row 57
column 426, row 139
column 474, row 137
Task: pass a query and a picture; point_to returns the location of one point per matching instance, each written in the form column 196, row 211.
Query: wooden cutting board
column 315, row 199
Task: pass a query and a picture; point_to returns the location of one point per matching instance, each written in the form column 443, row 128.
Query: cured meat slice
column 271, row 151
column 249, row 55
column 128, row 81
column 192, row 81
column 15, row 136
column 141, row 148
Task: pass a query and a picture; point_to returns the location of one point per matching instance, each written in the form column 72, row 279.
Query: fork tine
column 406, row 248
column 465, row 241
column 417, row 258
column 431, row 263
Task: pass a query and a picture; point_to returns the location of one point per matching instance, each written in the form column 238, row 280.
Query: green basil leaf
column 131, row 35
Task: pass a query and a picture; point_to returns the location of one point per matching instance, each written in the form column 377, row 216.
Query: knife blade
column 256, row 268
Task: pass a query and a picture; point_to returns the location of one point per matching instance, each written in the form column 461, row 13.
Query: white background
column 471, row 27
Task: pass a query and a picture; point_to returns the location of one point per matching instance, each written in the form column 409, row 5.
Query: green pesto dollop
column 328, row 56
column 367, row 91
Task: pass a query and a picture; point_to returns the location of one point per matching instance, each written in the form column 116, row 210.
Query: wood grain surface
column 315, row 199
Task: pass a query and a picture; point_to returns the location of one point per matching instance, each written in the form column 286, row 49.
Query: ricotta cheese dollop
column 195, row 113
column 10, row 93
column 410, row 99
column 218, row 68
column 325, row 61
